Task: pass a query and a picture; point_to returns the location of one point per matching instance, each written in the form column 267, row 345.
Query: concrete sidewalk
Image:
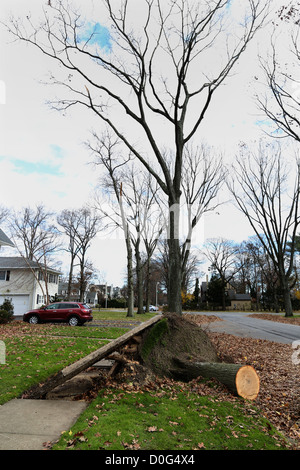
column 27, row 424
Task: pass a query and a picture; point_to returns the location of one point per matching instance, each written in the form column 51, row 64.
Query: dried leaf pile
column 277, row 318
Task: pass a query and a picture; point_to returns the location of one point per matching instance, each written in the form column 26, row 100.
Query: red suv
column 74, row 313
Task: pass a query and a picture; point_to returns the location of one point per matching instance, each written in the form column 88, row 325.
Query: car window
column 66, row 305
column 52, row 307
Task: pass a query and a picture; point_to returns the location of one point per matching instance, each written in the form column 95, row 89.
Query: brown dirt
column 182, row 338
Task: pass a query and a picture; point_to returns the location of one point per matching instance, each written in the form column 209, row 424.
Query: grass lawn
column 119, row 314
column 165, row 418
column 34, row 352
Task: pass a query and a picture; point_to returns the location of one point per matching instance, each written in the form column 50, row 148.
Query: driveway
column 241, row 324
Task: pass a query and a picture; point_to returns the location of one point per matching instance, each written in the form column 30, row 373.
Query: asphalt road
column 241, row 324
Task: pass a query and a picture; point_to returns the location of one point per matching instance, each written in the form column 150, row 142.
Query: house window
column 52, row 278
column 4, row 275
column 39, row 299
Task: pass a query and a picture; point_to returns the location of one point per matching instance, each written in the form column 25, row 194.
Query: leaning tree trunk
column 240, row 380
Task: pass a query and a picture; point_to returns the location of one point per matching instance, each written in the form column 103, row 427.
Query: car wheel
column 74, row 321
column 34, row 319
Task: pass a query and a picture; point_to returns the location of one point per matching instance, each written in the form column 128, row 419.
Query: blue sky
column 95, row 34
column 41, row 167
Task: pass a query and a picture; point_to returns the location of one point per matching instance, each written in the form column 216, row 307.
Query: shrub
column 6, row 312
column 5, row 317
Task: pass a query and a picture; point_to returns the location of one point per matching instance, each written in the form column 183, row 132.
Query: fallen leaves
column 276, row 318
column 278, row 398
column 152, row 429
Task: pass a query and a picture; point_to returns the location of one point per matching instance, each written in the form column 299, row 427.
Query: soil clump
column 174, row 336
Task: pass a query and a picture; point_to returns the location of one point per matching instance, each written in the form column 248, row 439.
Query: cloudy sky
column 43, row 158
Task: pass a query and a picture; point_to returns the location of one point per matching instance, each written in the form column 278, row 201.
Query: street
column 242, row 324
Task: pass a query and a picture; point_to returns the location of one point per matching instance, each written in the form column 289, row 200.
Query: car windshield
column 85, row 306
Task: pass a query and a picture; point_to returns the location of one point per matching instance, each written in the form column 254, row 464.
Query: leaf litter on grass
column 275, row 373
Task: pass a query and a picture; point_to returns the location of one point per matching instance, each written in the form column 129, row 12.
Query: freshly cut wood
column 70, row 371
column 240, row 379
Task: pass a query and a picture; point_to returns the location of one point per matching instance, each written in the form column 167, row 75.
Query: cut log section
column 70, row 371
column 241, row 380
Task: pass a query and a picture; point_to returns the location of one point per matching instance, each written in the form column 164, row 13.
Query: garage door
column 20, row 303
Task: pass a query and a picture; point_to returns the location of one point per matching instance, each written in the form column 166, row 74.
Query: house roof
column 4, row 240
column 235, row 296
column 17, row 262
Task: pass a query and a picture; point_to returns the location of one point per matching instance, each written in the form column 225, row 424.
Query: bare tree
column 144, row 217
column 108, row 154
column 35, row 231
column 202, row 177
column 259, row 187
column 36, row 239
column 4, row 212
column 281, row 101
column 136, row 211
column 265, row 283
column 222, row 253
column 87, row 229
column 147, row 77
column 71, row 221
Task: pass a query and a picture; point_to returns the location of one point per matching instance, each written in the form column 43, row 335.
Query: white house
column 22, row 281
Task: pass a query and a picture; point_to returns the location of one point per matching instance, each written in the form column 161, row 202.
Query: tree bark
column 139, row 276
column 174, row 278
column 130, row 289
column 287, row 300
column 241, row 380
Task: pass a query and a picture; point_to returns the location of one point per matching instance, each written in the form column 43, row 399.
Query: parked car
column 152, row 308
column 73, row 313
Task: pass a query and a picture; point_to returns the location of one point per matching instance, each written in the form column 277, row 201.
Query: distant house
column 63, row 292
column 239, row 301
column 91, row 297
column 22, row 281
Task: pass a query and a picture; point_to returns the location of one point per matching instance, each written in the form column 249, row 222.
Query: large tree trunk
column 70, row 278
column 287, row 300
column 130, row 289
column 174, row 278
column 147, row 301
column 139, row 277
column 240, row 380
